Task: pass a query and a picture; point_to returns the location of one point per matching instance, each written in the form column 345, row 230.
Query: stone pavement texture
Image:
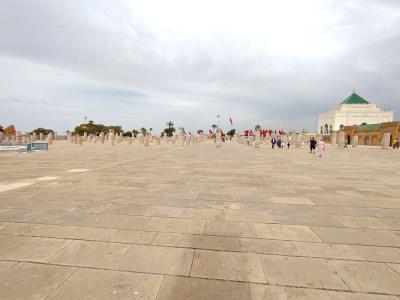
column 199, row 222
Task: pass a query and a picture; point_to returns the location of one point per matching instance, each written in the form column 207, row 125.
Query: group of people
column 280, row 143
column 313, row 147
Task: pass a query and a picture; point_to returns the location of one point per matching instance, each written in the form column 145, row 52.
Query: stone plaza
column 196, row 220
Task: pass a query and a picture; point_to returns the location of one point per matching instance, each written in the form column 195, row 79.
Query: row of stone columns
column 113, row 138
column 20, row 139
column 296, row 140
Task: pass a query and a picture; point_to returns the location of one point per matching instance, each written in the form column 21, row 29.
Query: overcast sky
column 143, row 63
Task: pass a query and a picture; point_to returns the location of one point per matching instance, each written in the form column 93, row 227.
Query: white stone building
column 354, row 110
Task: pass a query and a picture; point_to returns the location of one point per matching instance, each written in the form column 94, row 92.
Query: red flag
column 190, row 133
column 251, row 132
column 230, row 120
column 209, row 131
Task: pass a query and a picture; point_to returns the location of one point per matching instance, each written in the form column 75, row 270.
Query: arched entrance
column 366, row 141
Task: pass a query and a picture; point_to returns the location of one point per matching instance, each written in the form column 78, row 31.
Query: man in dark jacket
column 313, row 144
column 273, row 142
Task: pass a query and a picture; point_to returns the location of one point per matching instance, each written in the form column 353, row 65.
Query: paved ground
column 130, row 222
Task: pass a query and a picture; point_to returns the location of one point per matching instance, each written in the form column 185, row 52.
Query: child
column 321, row 148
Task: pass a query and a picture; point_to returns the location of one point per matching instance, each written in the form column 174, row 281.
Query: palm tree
column 257, row 127
column 170, row 130
column 214, row 126
column 143, row 130
column 135, row 132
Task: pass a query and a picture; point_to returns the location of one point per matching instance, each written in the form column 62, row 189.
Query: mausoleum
column 354, row 110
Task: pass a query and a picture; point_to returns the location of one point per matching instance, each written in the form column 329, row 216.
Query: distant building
column 354, row 110
column 372, row 134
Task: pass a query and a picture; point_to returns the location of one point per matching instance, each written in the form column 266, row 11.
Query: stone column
column 41, row 136
column 146, row 140
column 50, row 138
column 111, row 137
column 74, row 139
column 1, row 137
column 102, row 138
column 24, row 141
column 18, row 138
column 334, row 138
column 79, row 139
column 299, row 141
column 218, row 139
column 85, row 136
column 354, row 141
column 340, row 144
column 257, row 139
column 385, row 144
column 69, row 137
column 181, row 136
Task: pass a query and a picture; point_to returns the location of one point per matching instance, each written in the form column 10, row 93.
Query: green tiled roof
column 354, row 99
column 368, row 127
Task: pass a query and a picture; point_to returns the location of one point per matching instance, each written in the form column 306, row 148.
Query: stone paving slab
column 162, row 222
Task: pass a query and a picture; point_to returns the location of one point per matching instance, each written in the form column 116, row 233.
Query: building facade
column 354, row 110
column 372, row 134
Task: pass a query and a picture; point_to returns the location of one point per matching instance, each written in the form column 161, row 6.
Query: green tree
column 135, row 132
column 41, row 130
column 214, row 126
column 128, row 133
column 143, row 130
column 231, row 132
column 117, row 128
column 199, row 131
column 169, row 131
column 90, row 128
column 257, row 127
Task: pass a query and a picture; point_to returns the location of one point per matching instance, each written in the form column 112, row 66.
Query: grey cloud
column 105, row 60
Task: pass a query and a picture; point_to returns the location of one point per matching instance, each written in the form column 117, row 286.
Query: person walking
column 313, row 144
column 289, row 141
column 273, row 142
column 395, row 144
column 279, row 142
column 321, row 148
